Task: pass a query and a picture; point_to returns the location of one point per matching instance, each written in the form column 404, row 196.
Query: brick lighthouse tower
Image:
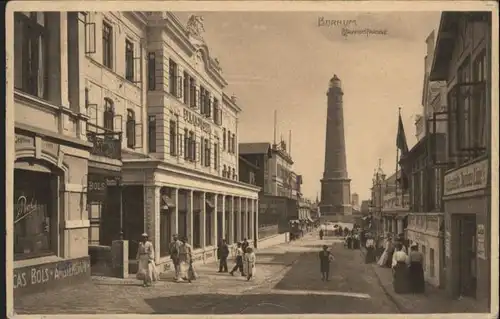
column 335, row 185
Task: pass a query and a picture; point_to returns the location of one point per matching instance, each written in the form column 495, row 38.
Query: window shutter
column 138, row 135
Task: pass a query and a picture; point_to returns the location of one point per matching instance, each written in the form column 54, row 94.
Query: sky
column 284, row 60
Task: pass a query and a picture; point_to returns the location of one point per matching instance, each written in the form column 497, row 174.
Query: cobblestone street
column 288, row 281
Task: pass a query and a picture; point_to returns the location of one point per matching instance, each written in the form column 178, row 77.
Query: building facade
column 188, row 184
column 114, row 77
column 424, row 167
column 463, row 59
column 51, row 222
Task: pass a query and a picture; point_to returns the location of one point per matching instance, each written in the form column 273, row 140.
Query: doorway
column 467, row 275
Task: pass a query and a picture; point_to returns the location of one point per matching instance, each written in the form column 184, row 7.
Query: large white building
column 188, row 184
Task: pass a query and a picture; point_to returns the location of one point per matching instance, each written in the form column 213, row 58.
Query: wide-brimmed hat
column 144, row 235
column 414, row 245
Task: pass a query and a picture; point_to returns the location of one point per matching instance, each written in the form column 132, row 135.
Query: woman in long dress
column 146, row 260
column 186, row 259
column 249, row 261
column 416, row 270
column 400, row 263
column 384, row 258
column 325, row 257
column 370, row 250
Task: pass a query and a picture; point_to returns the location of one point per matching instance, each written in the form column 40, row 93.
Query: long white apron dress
column 147, row 271
column 385, row 255
column 185, row 256
column 249, row 264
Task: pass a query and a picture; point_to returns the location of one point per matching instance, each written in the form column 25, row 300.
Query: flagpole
column 397, row 158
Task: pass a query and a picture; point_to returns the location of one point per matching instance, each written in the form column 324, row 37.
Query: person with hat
column 325, row 257
column 174, row 250
column 385, row 259
column 249, row 263
column 400, row 261
column 416, row 270
column 146, row 262
column 186, row 261
column 370, row 249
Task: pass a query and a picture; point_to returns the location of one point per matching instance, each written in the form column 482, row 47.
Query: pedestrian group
column 181, row 254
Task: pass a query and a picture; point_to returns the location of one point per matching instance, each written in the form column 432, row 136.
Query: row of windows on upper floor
column 33, row 78
column 191, row 147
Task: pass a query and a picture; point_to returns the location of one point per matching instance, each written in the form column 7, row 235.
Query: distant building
column 355, row 201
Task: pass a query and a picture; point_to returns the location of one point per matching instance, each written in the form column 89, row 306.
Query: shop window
column 35, row 219
column 431, row 262
column 130, row 129
column 196, row 229
column 30, row 53
column 165, row 232
column 208, row 227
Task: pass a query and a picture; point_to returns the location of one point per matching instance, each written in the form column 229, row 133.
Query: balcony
column 106, row 143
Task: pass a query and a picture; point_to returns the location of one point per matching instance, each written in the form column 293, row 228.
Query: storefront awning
column 209, row 203
column 167, row 202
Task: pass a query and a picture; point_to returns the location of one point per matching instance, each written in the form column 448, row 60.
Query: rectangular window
column 107, row 45
column 130, row 129
column 152, row 133
column 217, row 112
column 172, row 77
column 203, row 100
column 464, row 108
column 173, row 138
column 151, row 71
column 479, row 126
column 206, row 152
column 187, row 149
column 31, row 53
column 233, row 144
column 202, row 154
column 129, row 60
column 192, row 92
column 224, row 139
column 229, row 141
column 192, row 146
column 187, row 92
column 216, row 156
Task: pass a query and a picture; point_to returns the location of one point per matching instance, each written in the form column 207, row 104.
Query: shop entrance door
column 467, row 255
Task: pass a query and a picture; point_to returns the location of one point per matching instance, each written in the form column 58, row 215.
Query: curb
column 398, row 305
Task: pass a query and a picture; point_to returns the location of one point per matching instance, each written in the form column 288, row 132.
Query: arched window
column 109, row 114
column 130, row 129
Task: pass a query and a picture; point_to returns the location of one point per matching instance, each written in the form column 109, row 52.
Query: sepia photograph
column 246, row 158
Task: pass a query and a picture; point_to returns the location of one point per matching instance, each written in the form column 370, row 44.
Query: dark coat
column 222, row 251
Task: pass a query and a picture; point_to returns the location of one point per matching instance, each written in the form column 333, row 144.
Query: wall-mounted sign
column 23, row 142
column 466, row 179
column 197, row 121
column 97, row 185
column 447, row 244
column 50, row 148
column 41, row 277
column 480, row 244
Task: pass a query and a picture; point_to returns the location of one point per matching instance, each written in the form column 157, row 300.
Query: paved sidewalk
column 114, row 295
column 434, row 300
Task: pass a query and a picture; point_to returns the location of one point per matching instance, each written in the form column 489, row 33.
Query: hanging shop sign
column 480, row 241
column 466, row 179
column 97, row 185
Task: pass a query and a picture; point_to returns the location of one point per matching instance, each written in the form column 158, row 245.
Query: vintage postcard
column 252, row 158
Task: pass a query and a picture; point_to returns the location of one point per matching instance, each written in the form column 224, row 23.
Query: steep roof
column 254, row 148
